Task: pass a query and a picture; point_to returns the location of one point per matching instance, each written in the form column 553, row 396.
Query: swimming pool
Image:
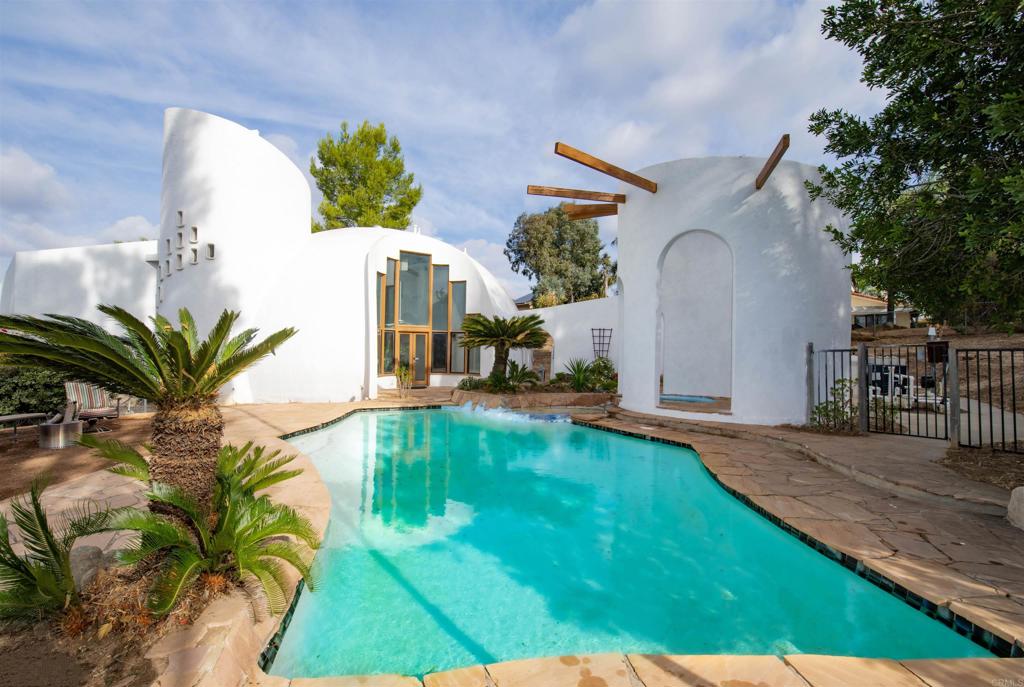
column 460, row 538
column 683, row 398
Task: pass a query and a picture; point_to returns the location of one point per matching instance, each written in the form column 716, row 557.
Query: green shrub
column 580, row 374
column 472, row 384
column 837, row 412
column 30, row 390
column 605, row 378
column 520, row 376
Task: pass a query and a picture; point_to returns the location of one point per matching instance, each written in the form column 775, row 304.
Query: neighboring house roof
column 525, row 302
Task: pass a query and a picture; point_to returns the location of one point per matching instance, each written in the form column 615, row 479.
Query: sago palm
column 248, row 539
column 40, row 581
column 503, row 334
column 169, row 366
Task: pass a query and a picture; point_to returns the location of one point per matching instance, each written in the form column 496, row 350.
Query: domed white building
column 235, row 233
column 723, row 284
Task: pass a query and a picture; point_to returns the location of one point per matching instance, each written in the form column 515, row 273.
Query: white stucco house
column 721, row 286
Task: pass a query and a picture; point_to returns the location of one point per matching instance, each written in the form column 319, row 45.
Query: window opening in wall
column 168, row 244
column 181, row 218
column 181, row 239
column 179, row 262
column 420, row 314
column 195, row 256
column 210, row 251
column 193, row 235
column 167, row 268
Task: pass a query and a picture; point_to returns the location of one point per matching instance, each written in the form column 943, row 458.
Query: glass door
column 412, row 351
column 419, row 356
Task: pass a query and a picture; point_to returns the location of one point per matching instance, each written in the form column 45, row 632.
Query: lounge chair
column 93, row 403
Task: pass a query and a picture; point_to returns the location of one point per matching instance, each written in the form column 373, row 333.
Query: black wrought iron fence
column 991, row 398
column 835, row 383
column 906, row 389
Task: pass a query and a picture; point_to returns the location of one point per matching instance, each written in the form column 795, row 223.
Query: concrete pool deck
column 969, row 564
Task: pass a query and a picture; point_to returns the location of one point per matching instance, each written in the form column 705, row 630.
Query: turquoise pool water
column 458, row 538
column 683, row 398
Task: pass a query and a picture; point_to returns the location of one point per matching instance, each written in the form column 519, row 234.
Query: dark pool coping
column 987, row 639
column 984, row 638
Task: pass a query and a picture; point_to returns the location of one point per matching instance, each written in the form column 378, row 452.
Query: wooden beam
column 575, row 193
column 574, row 211
column 605, row 167
column 780, row 149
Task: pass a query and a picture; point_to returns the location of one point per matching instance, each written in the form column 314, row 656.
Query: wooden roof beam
column 590, row 210
column 611, row 170
column 780, row 149
column 575, row 193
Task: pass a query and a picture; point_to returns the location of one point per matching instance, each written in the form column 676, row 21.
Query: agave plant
column 519, row 375
column 581, row 374
column 40, row 581
column 171, row 367
column 503, row 335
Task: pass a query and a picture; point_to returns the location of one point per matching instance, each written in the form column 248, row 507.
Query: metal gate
column 905, row 389
column 971, row 397
column 991, row 398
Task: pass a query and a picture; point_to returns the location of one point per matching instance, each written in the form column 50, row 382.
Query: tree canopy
column 362, row 176
column 934, row 183
column 564, row 256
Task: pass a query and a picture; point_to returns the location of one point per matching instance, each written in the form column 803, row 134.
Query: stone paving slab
column 714, row 671
column 599, row 670
column 844, row 671
column 987, row 672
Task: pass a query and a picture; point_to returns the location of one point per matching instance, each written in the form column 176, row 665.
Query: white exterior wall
column 789, row 282
column 570, row 324
column 73, row 281
column 327, row 290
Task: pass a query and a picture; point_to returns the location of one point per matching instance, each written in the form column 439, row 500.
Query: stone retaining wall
column 539, row 399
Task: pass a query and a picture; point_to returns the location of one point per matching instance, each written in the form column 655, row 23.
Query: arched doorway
column 695, row 304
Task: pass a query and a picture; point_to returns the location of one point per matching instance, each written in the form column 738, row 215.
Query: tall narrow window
column 439, row 314
column 193, row 235
column 473, row 367
column 389, row 294
column 388, row 363
column 439, row 351
column 195, row 256
column 211, row 251
column 458, row 304
column 413, row 289
column 458, row 364
column 181, row 239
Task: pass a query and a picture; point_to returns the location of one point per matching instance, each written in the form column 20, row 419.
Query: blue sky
column 477, row 92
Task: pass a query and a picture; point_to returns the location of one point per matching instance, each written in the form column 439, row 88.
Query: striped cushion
column 86, row 396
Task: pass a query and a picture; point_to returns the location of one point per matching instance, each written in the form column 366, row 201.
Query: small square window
column 180, row 261
column 195, row 256
column 193, row 235
column 210, row 251
column 181, row 239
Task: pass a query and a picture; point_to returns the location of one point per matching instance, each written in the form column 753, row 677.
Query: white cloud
column 128, row 229
column 28, row 186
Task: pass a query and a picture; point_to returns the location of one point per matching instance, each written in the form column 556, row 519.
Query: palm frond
column 271, row 578
column 130, row 462
column 156, row 533
column 42, row 546
column 183, row 566
column 173, row 496
column 291, row 554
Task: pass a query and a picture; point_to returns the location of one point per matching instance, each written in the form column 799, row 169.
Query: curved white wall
column 789, row 282
column 73, row 281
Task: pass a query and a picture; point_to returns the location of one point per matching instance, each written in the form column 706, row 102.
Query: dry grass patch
column 1001, row 468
